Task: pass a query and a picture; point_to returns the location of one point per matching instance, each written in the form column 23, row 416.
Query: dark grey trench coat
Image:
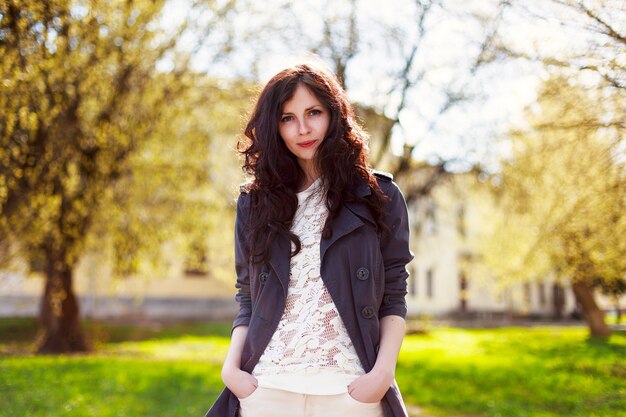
column 366, row 277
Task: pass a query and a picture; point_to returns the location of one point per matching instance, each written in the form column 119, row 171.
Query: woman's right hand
column 239, row 382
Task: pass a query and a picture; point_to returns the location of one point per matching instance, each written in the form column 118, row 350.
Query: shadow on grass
column 18, row 329
column 17, row 335
column 115, row 333
column 21, row 329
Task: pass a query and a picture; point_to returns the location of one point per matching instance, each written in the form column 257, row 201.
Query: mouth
column 307, row 144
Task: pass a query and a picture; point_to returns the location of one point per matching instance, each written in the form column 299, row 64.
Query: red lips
column 306, row 144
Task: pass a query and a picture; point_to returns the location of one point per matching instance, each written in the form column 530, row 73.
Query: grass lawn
column 175, row 371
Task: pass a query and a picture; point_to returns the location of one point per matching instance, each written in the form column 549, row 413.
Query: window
column 527, row 293
column 429, row 283
column 542, row 293
column 37, row 263
column 413, row 281
column 463, row 291
column 460, row 224
column 196, row 261
column 430, row 220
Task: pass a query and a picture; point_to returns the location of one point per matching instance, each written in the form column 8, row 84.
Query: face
column 303, row 125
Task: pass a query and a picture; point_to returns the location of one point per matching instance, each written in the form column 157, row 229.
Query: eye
column 315, row 112
column 286, row 119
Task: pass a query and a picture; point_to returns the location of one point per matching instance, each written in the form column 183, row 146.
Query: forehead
column 302, row 98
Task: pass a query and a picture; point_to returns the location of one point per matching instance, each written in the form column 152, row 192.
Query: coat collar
column 350, row 217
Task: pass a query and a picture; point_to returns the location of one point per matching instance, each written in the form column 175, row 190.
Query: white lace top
column 310, row 352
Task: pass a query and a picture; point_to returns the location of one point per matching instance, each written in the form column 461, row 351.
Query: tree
column 385, row 58
column 576, row 38
column 562, row 195
column 82, row 98
column 178, row 189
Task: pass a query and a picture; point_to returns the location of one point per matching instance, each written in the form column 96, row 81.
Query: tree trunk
column 593, row 315
column 59, row 319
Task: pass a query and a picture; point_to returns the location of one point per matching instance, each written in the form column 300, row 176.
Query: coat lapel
column 280, row 260
column 350, row 217
column 345, row 222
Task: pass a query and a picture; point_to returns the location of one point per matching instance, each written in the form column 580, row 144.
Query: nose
column 304, row 127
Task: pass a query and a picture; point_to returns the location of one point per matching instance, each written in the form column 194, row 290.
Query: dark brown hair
column 341, row 158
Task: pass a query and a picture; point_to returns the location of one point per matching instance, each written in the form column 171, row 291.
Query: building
column 446, row 276
column 445, row 229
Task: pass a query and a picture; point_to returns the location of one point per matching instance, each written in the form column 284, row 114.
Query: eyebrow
column 307, row 109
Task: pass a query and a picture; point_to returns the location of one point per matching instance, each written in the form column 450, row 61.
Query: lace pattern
column 311, row 335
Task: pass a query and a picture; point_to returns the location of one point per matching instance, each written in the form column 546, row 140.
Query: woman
column 321, row 247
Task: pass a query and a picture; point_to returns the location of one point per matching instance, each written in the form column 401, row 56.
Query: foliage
column 94, row 136
column 180, row 188
column 105, row 144
column 593, row 36
column 406, row 65
column 561, row 192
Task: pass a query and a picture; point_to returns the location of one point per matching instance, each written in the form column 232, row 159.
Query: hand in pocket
column 370, row 388
column 239, row 382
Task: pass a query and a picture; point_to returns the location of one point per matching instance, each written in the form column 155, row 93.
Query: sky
column 473, row 131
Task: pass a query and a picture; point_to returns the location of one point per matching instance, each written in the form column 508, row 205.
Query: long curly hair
column 341, row 158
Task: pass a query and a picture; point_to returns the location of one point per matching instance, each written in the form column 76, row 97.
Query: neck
column 310, row 175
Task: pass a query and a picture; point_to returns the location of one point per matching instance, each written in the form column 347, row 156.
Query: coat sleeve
column 241, row 263
column 396, row 255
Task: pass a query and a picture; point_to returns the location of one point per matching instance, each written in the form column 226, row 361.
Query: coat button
column 368, row 312
column 362, row 273
column 263, row 276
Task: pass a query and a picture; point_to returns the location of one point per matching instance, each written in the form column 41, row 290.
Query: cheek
column 286, row 133
column 323, row 125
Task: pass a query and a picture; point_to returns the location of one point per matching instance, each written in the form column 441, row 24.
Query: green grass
column 540, row 371
column 175, row 371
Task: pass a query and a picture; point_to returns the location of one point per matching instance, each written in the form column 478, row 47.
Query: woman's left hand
column 371, row 387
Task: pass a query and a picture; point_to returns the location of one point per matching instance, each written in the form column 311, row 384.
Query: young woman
column 321, row 248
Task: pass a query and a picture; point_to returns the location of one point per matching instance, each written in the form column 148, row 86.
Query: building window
column 197, row 261
column 527, row 294
column 460, row 223
column 429, row 283
column 413, row 281
column 463, row 291
column 37, row 263
column 558, row 299
column 430, row 221
column 542, row 293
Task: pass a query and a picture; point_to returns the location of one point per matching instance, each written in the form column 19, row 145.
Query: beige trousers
column 269, row 402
